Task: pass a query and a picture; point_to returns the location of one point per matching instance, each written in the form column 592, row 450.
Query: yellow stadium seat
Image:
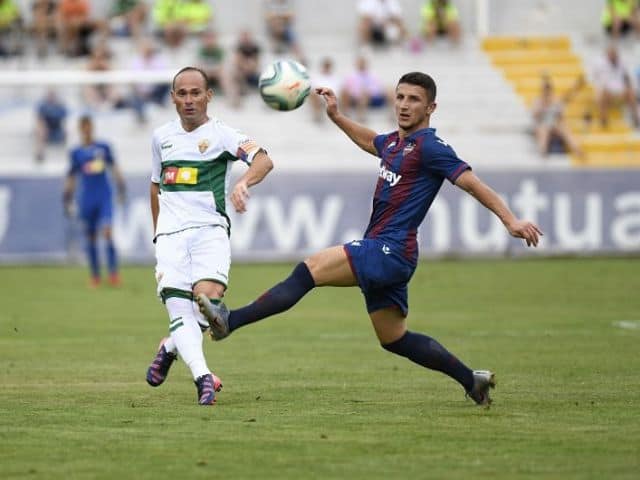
column 607, row 160
column 521, row 43
column 524, row 61
column 511, row 57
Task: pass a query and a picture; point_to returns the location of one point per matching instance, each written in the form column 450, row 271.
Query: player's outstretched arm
column 260, row 167
column 359, row 134
column 524, row 229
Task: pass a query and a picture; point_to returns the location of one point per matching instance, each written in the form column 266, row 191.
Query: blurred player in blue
column 90, row 161
column 414, row 164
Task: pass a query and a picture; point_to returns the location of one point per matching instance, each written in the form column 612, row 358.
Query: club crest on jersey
column 408, row 148
column 203, row 145
column 388, row 176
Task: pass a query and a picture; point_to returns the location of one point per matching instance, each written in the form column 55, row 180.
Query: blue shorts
column 383, row 273
column 96, row 214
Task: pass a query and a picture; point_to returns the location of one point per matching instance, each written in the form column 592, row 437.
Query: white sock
column 170, row 345
column 186, row 335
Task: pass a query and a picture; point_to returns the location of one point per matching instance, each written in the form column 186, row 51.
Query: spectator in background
column 101, row 95
column 75, row 27
column 10, row 28
column 148, row 59
column 440, row 17
column 167, row 22
column 128, row 17
column 326, row 78
column 363, row 90
column 175, row 19
column 44, row 25
column 91, row 161
column 619, row 17
column 246, row 67
column 211, row 60
column 380, row 22
column 280, row 16
column 614, row 86
column 548, row 113
column 51, row 114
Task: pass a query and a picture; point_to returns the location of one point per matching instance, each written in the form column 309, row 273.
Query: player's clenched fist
column 239, row 197
column 329, row 97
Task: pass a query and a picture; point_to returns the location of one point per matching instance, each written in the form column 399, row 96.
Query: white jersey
column 193, row 170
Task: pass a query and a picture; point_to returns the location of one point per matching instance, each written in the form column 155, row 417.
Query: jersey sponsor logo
column 182, row 175
column 389, row 176
column 203, row 145
column 94, row 167
column 166, row 145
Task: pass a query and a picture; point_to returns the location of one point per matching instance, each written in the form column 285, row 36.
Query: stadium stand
column 482, row 113
column 524, row 59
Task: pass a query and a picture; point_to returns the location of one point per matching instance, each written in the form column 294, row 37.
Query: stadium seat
column 523, row 61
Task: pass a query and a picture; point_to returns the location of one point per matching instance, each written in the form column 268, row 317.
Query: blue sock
column 280, row 298
column 427, row 352
column 92, row 254
column 112, row 258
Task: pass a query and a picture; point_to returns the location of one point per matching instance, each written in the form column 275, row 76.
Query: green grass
column 310, row 394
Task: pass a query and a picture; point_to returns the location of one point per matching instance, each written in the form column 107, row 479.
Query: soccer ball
column 284, row 85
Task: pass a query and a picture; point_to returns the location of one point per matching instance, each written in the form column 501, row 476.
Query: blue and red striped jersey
column 412, row 170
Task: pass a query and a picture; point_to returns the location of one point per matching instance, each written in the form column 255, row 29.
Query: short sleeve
column 156, row 160
column 443, row 161
column 379, row 142
column 239, row 145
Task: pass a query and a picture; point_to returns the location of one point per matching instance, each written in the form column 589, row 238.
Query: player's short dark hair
column 187, row 69
column 422, row 80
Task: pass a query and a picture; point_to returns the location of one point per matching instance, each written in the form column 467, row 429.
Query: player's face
column 412, row 107
column 86, row 131
column 191, row 96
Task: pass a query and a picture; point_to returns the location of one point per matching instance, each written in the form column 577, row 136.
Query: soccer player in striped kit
column 191, row 166
column 414, row 164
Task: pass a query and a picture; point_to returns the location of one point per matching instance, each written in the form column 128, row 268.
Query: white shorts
column 184, row 258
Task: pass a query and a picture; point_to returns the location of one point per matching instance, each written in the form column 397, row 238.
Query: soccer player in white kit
column 192, row 158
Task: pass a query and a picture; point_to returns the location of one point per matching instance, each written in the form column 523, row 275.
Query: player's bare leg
column 186, row 332
column 330, row 267
column 390, row 327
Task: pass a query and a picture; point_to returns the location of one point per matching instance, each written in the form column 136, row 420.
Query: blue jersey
column 411, row 173
column 53, row 115
column 91, row 163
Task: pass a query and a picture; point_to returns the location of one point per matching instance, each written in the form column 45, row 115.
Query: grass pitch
column 309, row 394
